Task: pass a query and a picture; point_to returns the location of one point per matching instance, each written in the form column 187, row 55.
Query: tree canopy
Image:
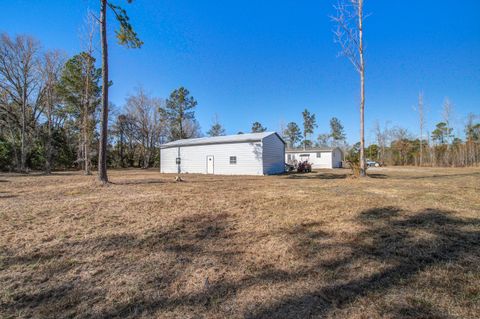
column 257, row 127
column 180, row 111
column 292, row 134
column 309, row 124
column 216, row 129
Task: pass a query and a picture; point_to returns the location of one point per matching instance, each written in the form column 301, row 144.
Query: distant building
column 241, row 154
column 322, row 157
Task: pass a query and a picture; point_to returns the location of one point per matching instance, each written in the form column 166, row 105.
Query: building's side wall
column 337, row 158
column 273, row 155
column 194, row 158
column 167, row 160
column 324, row 161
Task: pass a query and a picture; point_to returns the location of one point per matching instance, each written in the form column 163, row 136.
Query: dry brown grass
column 404, row 243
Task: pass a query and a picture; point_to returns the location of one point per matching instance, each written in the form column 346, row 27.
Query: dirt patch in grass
column 404, row 243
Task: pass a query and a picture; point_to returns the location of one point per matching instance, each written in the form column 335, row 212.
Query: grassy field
column 403, row 243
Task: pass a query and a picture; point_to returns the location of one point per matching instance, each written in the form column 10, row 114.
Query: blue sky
column 266, row 61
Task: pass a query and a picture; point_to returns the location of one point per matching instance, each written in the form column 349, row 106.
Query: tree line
column 54, row 110
column 50, row 113
column 37, row 114
column 49, row 117
column 442, row 146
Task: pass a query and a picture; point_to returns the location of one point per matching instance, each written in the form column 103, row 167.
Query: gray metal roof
column 238, row 138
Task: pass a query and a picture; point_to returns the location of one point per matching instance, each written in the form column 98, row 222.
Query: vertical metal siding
column 336, row 158
column 194, row 158
column 273, row 155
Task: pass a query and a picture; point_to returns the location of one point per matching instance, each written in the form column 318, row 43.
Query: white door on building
column 209, row 164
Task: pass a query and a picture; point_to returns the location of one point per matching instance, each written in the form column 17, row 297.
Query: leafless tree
column 282, row 126
column 87, row 122
column 382, row 137
column 192, row 128
column 447, row 113
column 349, row 35
column 20, row 81
column 401, row 143
column 51, row 67
column 421, row 121
column 144, row 117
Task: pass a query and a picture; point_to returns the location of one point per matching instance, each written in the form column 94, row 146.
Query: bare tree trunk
column 349, row 35
column 122, row 160
column 86, row 123
column 86, row 145
column 304, row 141
column 48, row 157
column 23, row 155
column 421, row 120
column 181, row 128
column 362, row 89
column 50, row 73
column 90, row 33
column 15, row 148
column 102, row 152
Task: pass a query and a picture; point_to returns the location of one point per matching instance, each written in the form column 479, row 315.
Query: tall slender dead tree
column 349, row 35
column 50, row 71
column 421, row 122
column 88, row 37
column 447, row 114
column 127, row 37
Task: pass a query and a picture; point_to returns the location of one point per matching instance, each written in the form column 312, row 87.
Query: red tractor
column 304, row 167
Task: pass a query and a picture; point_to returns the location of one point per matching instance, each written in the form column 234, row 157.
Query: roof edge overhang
column 206, row 142
column 281, row 138
column 312, row 150
column 211, row 143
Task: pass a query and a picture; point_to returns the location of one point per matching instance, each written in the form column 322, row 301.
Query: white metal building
column 318, row 157
column 241, row 154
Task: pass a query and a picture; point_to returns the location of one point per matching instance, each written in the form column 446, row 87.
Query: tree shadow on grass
column 66, row 278
column 141, row 182
column 418, row 310
column 227, row 178
column 416, row 177
column 377, row 175
column 2, row 196
column 388, row 239
column 42, row 174
column 167, row 270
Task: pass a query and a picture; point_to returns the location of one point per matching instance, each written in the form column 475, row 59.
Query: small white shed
column 318, row 157
column 241, row 154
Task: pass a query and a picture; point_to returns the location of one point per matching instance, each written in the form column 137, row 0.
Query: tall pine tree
column 292, row 134
column 257, row 127
column 309, row 124
column 179, row 110
column 128, row 38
